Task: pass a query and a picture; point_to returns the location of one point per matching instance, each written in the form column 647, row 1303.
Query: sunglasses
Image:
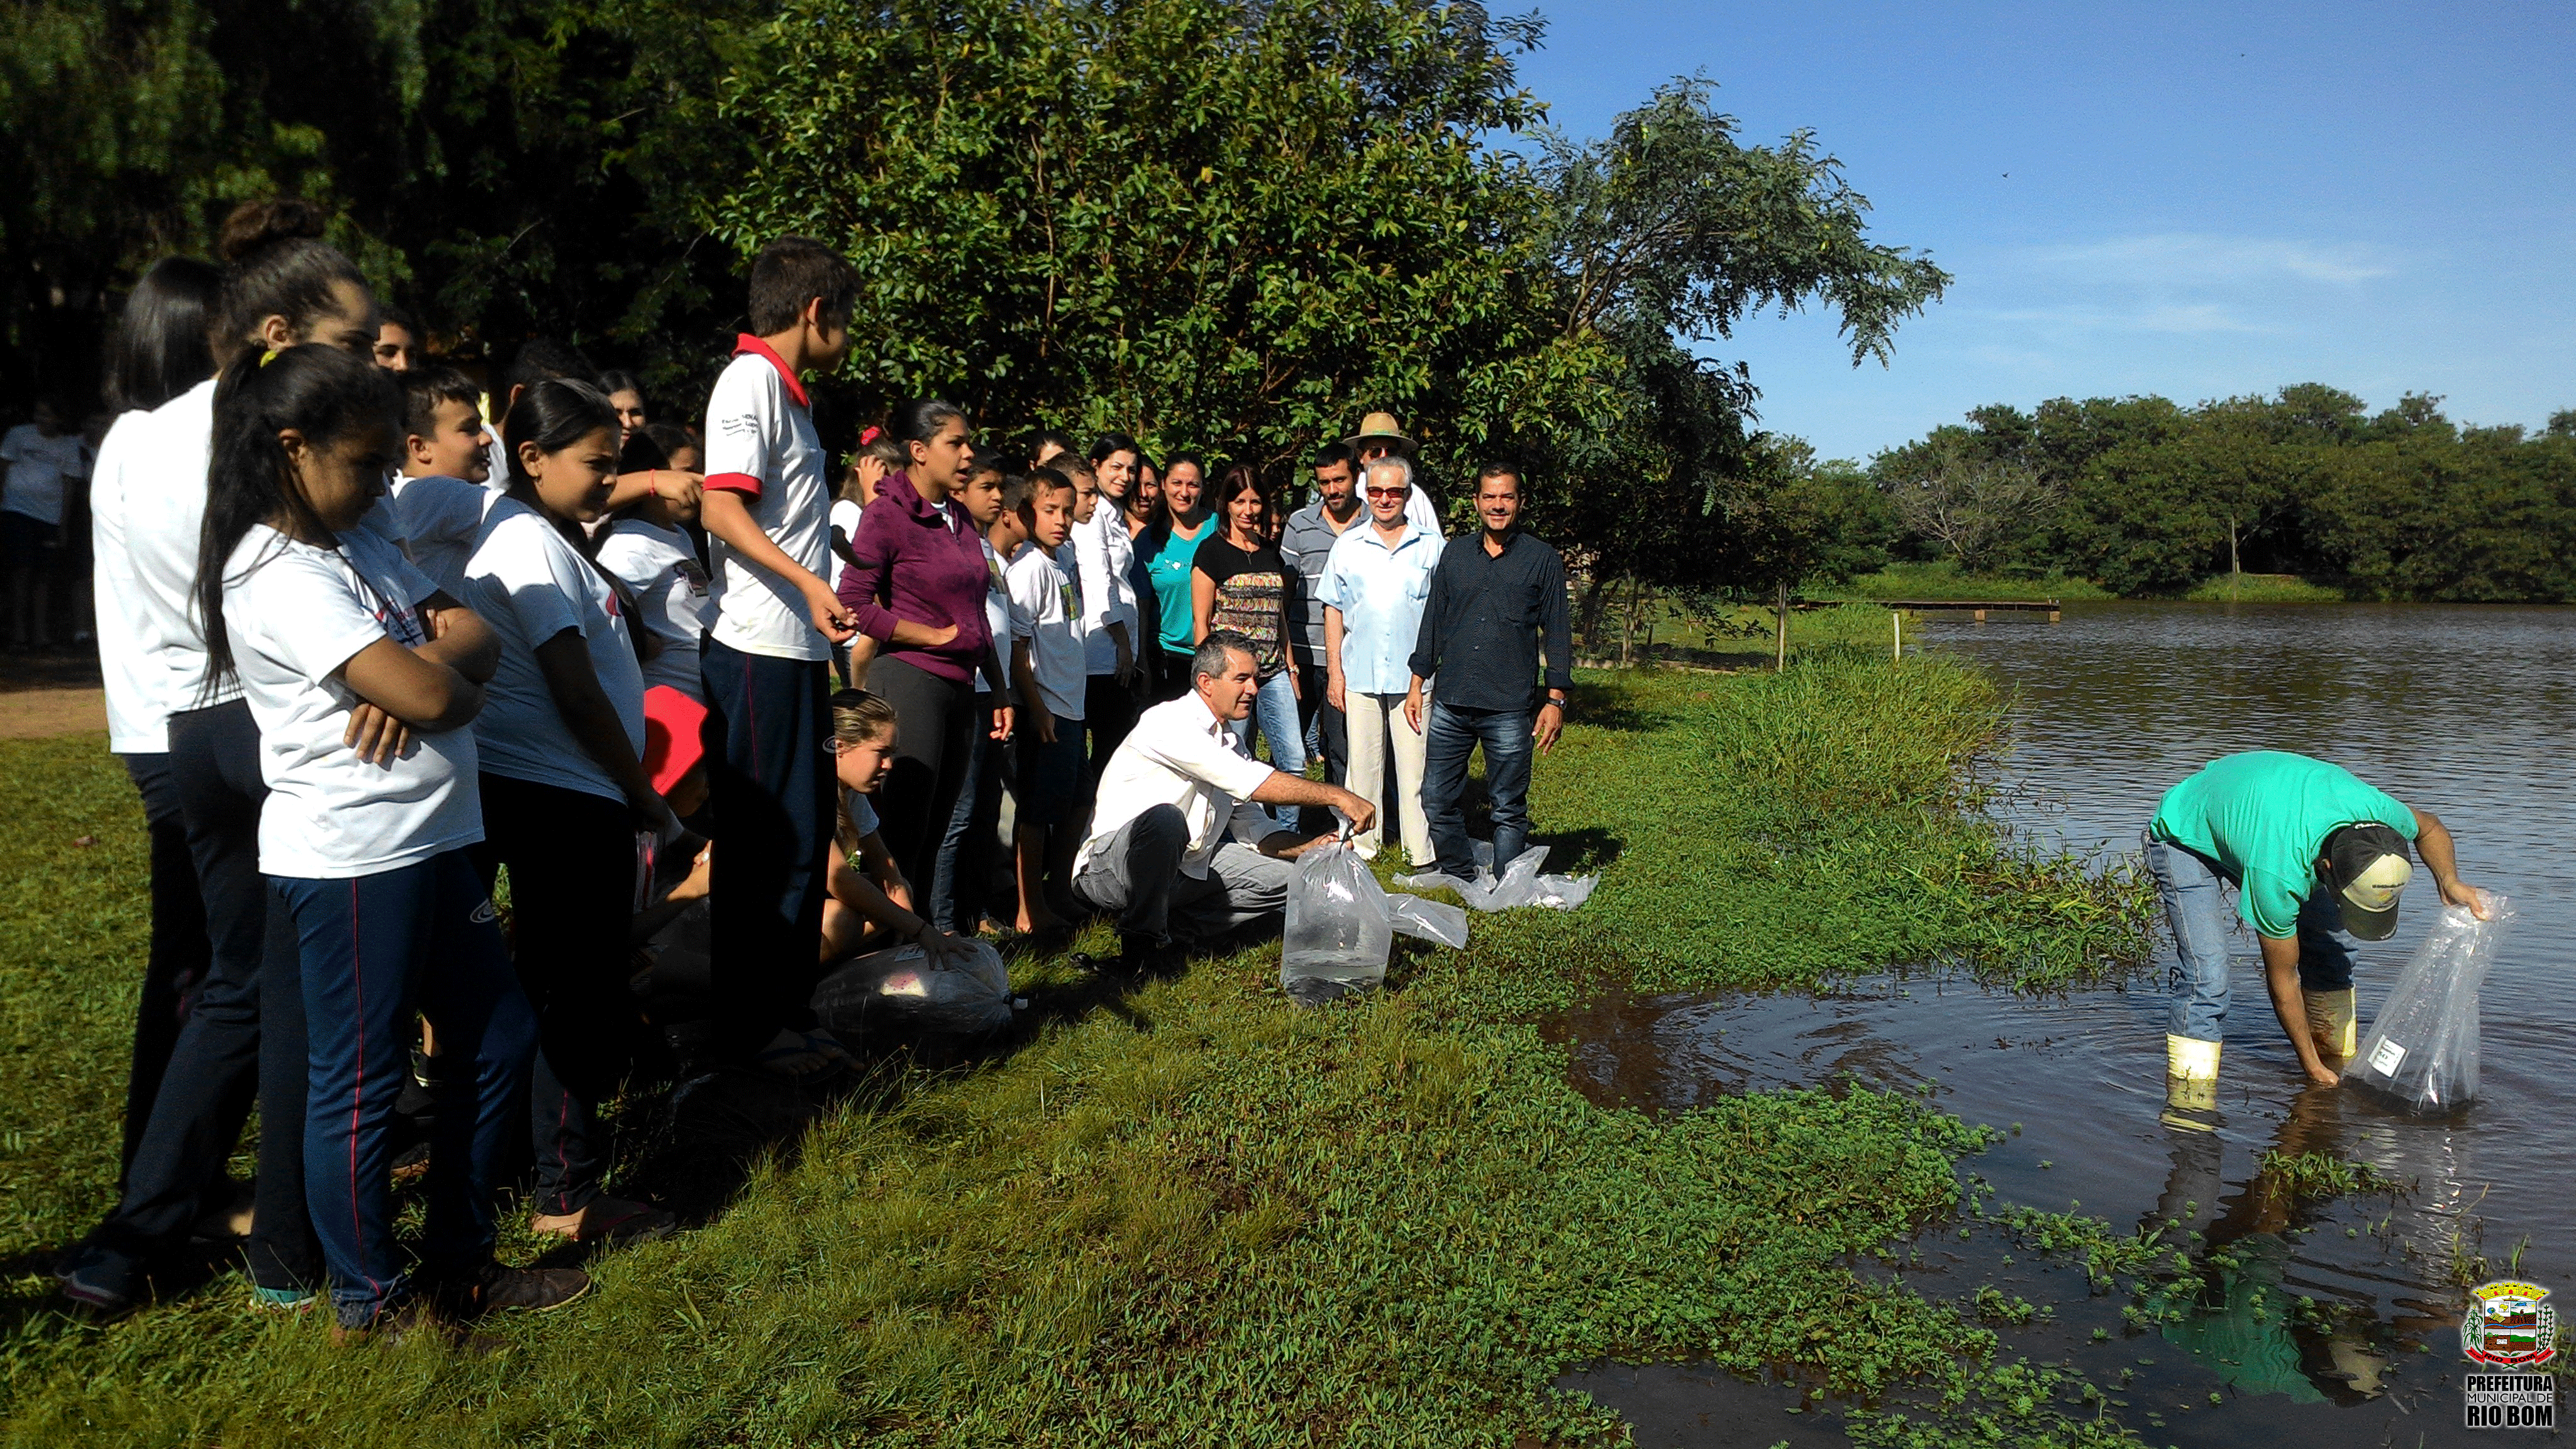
column 1388, row 492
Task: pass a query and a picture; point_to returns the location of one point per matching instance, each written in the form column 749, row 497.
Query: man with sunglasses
column 1372, row 590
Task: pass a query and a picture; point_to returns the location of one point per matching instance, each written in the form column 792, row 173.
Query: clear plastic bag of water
column 903, row 985
column 2422, row 1049
column 1338, row 933
column 1520, row 884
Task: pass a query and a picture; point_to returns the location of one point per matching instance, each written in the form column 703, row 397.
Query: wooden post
column 1896, row 635
column 1783, row 661
column 1981, row 616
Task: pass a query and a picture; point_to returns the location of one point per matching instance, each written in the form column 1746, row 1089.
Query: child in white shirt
column 766, row 660
column 337, row 640
column 564, row 788
column 1049, row 669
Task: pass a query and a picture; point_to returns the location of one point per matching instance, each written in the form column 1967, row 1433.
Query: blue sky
column 2199, row 201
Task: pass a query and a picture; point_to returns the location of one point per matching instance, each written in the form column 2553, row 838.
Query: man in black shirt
column 1494, row 596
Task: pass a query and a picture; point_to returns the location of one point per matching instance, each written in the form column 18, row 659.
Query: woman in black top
column 1239, row 582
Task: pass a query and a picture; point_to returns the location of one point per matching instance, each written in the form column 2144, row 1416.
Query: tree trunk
column 2235, row 570
column 1596, row 591
column 1783, row 661
column 1628, row 627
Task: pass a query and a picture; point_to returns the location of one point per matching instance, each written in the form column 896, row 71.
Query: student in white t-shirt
column 656, row 561
column 564, row 788
column 159, row 351
column 765, row 661
column 1050, row 672
column 878, row 455
column 440, row 497
column 336, row 641
column 283, row 288
column 43, row 460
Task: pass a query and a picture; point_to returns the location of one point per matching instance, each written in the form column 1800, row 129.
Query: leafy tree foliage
column 504, row 166
column 2152, row 497
column 1227, row 227
column 1221, row 224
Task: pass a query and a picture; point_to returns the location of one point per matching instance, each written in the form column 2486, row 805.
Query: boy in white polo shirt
column 766, row 660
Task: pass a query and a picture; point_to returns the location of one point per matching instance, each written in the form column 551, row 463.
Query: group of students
column 367, row 649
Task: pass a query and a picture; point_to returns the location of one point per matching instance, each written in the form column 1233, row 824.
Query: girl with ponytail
column 564, row 787
column 281, row 287
column 362, row 676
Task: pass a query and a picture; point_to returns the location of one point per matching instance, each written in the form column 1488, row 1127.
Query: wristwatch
column 1555, row 699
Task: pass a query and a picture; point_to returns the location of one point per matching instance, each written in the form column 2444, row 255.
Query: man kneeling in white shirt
column 1176, row 850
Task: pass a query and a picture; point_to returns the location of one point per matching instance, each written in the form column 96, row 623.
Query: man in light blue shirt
column 1373, row 589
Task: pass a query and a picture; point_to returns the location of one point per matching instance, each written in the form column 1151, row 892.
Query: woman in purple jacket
column 917, row 582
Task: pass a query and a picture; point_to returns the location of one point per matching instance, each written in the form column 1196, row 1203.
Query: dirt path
column 35, row 714
column 43, row 695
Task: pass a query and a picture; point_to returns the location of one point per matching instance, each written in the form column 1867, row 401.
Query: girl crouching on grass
column 564, row 789
column 871, row 904
column 361, row 677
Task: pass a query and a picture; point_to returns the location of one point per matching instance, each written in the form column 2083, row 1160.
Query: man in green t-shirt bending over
column 2315, row 854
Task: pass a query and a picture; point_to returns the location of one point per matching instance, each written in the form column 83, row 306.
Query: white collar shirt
column 1180, row 754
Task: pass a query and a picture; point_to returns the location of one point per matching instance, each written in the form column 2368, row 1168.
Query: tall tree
column 1665, row 235
column 1240, row 226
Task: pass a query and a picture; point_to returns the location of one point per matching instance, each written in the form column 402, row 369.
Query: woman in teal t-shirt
column 1168, row 547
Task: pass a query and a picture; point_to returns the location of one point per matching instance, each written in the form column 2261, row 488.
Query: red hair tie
column 870, row 436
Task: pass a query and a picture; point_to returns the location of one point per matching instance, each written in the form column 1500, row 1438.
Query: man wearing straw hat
column 1379, row 437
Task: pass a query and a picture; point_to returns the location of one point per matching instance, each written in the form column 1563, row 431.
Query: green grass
column 1197, row 1215
column 2264, row 589
column 1742, row 636
column 1942, row 580
column 2317, row 1176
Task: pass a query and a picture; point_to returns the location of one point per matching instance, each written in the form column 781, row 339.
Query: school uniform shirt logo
column 485, row 912
column 401, row 624
column 1072, row 599
column 693, row 575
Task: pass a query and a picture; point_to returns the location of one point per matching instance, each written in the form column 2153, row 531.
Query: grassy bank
column 1188, row 1213
column 1943, row 580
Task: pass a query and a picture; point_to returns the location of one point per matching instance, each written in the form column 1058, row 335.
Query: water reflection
column 2465, row 711
column 2318, row 1301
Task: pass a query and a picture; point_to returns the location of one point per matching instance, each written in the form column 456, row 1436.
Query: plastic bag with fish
column 903, row 985
column 1520, row 884
column 2422, row 1050
column 1337, row 934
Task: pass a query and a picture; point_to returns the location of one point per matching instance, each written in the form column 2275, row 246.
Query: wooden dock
column 1981, row 607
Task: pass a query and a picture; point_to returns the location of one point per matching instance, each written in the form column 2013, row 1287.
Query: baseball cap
column 2367, row 865
column 672, row 745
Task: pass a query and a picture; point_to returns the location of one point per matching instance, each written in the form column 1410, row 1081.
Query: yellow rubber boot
column 2330, row 1023
column 2191, row 1083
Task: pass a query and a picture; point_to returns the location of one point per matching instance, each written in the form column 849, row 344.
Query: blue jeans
column 1274, row 713
column 2195, row 900
column 374, row 947
column 1449, row 737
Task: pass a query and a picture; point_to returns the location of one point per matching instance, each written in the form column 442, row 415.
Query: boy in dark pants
column 766, row 660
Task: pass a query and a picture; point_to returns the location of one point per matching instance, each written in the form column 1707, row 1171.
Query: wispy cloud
column 2192, row 259
column 2179, row 318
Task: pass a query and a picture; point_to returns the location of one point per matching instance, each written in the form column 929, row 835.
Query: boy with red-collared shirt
column 766, row 659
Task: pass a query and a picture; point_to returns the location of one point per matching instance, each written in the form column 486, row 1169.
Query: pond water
column 2464, row 711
